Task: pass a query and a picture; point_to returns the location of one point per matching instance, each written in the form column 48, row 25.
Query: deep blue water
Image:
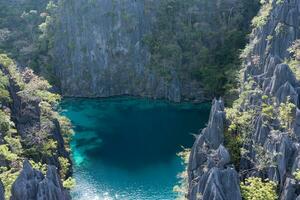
column 125, row 148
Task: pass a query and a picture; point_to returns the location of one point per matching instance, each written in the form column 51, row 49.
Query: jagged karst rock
column 31, row 184
column 274, row 80
column 297, row 124
column 262, row 131
column 286, row 91
column 26, row 185
column 2, row 191
column 282, row 148
column 210, row 175
column 289, row 190
column 217, row 185
column 282, row 75
column 224, row 156
column 214, row 132
column 50, row 188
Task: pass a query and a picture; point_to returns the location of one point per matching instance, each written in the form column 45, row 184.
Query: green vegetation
column 255, row 188
column 287, row 114
column 268, row 112
column 238, row 132
column 19, row 29
column 182, row 188
column 38, row 145
column 4, row 94
column 39, row 166
column 8, row 177
column 200, row 43
column 69, row 183
column 240, row 124
column 64, row 166
column 297, row 175
column 6, row 154
column 262, row 18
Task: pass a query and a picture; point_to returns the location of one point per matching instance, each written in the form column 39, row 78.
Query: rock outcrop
column 209, row 171
column 32, row 184
column 271, row 148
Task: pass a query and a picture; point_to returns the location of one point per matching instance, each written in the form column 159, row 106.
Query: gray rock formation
column 2, row 191
column 31, row 184
column 272, row 150
column 210, row 175
column 215, row 128
column 102, row 52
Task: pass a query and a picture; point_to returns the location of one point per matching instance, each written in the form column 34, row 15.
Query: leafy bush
column 70, row 183
column 297, row 175
column 268, row 112
column 240, row 121
column 10, row 65
column 182, row 188
column 287, row 113
column 4, row 93
column 255, row 188
column 8, row 177
column 234, row 144
column 264, row 13
column 66, row 130
column 64, row 166
column 39, row 166
column 4, row 122
column 6, row 153
column 14, row 143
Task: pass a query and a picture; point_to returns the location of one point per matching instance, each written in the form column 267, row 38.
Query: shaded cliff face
column 261, row 130
column 104, row 48
column 99, row 49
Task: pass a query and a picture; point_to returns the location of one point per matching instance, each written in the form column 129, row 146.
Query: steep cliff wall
column 99, row 52
column 261, row 130
column 178, row 50
column 160, row 49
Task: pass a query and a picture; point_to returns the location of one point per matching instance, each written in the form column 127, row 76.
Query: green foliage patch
column 197, row 42
column 255, row 188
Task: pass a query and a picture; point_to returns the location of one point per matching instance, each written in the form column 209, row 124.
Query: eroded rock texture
column 210, row 175
column 272, row 82
column 100, row 49
column 33, row 185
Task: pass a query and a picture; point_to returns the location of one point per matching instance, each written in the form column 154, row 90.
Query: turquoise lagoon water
column 125, row 148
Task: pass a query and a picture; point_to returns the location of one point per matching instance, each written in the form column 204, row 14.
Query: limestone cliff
column 266, row 115
column 103, row 48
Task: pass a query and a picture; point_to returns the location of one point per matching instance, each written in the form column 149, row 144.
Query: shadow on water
column 132, row 134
